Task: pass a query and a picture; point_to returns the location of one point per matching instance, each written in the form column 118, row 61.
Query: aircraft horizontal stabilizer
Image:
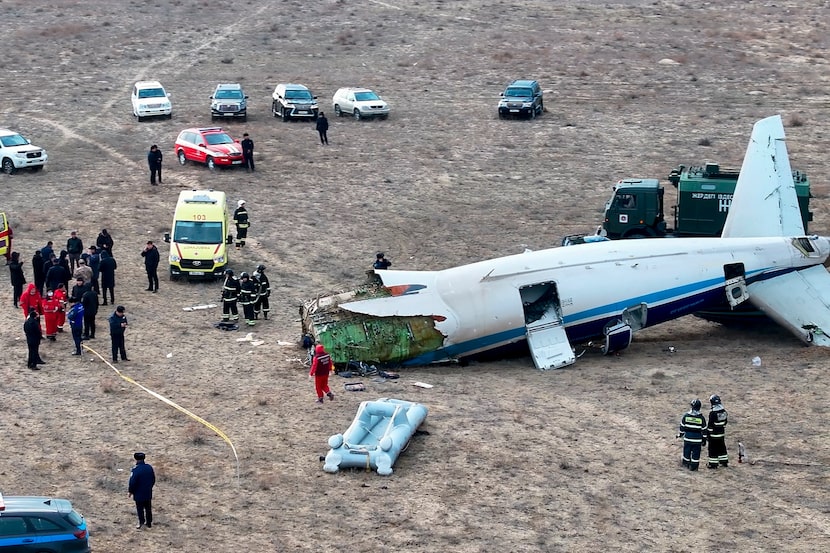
column 799, row 301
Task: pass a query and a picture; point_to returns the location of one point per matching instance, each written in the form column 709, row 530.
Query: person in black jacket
column 74, row 249
column 104, row 241
column 154, row 161
column 37, row 271
column 34, row 335
column 142, row 480
column 118, row 324
column 230, row 295
column 94, row 262
column 693, row 431
column 56, row 275
column 107, row 269
column 17, row 277
column 90, row 302
column 150, row 253
column 248, row 151
column 322, row 128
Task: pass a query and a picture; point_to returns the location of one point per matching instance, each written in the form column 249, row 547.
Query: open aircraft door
column 546, row 338
column 5, row 236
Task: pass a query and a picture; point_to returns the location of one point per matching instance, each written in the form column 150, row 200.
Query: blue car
column 41, row 524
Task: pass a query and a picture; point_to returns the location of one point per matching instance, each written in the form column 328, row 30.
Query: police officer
column 693, row 429
column 247, row 297
column 230, row 295
column 717, row 433
column 240, row 219
column 262, row 304
column 381, row 262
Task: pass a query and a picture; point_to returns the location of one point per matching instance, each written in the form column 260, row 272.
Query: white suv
column 17, row 152
column 150, row 100
column 361, row 103
column 294, row 101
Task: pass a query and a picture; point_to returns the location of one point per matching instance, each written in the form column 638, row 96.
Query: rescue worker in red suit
column 321, row 366
column 31, row 298
column 61, row 296
column 51, row 307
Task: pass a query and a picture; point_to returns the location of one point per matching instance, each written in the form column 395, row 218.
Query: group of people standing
column 91, row 272
column 251, row 291
column 696, row 432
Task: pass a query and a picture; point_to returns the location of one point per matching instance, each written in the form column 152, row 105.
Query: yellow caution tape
column 173, row 404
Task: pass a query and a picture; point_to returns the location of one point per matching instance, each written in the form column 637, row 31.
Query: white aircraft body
column 597, row 291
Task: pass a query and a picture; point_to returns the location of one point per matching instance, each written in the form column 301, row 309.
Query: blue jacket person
column 142, row 480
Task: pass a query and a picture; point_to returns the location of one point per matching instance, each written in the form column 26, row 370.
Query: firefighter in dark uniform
column 262, row 304
column 693, row 431
column 240, row 219
column 230, row 294
column 717, row 434
column 247, row 297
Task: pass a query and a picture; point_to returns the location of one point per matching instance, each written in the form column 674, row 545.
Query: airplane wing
column 765, row 188
column 799, row 301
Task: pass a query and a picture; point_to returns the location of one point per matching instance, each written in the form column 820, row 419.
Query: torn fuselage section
column 352, row 336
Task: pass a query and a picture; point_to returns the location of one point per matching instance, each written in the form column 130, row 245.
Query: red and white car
column 211, row 146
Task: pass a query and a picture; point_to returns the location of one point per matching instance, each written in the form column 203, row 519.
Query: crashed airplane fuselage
column 602, row 291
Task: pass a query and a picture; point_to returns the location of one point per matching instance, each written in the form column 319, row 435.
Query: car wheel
column 170, row 115
column 37, row 168
column 274, row 109
column 139, row 118
column 245, row 117
column 532, row 113
column 210, row 163
column 8, row 166
column 383, row 117
column 173, row 277
column 182, row 158
column 501, row 115
column 541, row 106
column 357, row 114
column 284, row 114
column 337, row 111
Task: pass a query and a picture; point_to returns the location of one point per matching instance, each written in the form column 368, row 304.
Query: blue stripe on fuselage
column 693, row 297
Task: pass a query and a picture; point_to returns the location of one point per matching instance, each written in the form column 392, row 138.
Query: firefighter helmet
column 229, row 272
column 695, row 403
column 260, row 268
column 244, row 275
column 714, row 399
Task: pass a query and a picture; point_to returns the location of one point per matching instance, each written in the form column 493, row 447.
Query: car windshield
column 298, row 94
column 151, row 93
column 13, row 140
column 193, row 232
column 218, row 138
column 365, row 96
column 228, row 95
column 518, row 93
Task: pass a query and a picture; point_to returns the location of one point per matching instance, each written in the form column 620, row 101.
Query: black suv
column 521, row 98
column 42, row 524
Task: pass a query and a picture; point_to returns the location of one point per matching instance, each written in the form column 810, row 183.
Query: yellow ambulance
column 5, row 237
column 199, row 238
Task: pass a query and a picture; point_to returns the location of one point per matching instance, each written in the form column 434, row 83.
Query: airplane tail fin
column 765, row 202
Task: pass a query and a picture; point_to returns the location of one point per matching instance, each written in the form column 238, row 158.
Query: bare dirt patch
column 515, row 460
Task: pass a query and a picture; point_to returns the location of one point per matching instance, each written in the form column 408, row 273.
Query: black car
column 42, row 525
column 521, row 98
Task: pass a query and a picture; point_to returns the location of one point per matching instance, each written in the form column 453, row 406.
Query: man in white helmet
column 240, row 219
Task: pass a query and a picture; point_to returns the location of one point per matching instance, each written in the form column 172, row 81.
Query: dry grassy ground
column 515, row 460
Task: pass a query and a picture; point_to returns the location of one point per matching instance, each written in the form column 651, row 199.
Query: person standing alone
column 154, row 157
column 322, row 128
column 151, row 264
column 142, row 480
column 248, row 151
column 321, row 367
column 118, row 324
column 34, row 335
column 240, row 219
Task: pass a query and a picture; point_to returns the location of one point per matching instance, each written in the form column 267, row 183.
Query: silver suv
column 521, row 98
column 17, row 152
column 229, row 100
column 294, row 101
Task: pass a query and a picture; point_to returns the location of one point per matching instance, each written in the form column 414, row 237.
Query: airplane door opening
column 546, row 338
column 735, row 285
